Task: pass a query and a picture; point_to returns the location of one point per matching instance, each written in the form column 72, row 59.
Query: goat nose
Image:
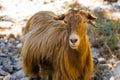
column 73, row 40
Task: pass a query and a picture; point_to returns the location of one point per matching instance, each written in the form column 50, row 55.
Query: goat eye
column 84, row 21
column 65, row 21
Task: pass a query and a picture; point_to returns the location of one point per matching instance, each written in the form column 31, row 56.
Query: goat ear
column 91, row 17
column 60, row 17
column 88, row 15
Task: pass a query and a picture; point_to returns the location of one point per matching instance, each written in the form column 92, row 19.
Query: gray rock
column 1, row 60
column 117, row 71
column 102, row 60
column 3, row 73
column 111, row 61
column 116, row 7
column 2, row 44
column 105, row 66
column 10, row 54
column 6, row 61
column 3, row 55
column 10, row 45
column 19, row 45
column 107, row 74
column 12, row 50
column 17, row 66
column 18, row 75
column 8, row 77
column 1, row 49
column 15, row 58
column 8, row 68
column 0, row 66
column 25, row 79
column 112, row 78
column 95, row 53
column 17, row 41
column 5, row 50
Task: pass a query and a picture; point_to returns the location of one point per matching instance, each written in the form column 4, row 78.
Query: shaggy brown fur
column 39, row 17
column 46, row 52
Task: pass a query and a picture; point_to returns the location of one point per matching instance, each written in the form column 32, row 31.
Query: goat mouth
column 74, row 46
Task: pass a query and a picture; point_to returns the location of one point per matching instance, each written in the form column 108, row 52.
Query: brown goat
column 58, row 49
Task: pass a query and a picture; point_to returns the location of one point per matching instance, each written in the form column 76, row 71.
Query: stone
column 2, row 44
column 17, row 66
column 3, row 73
column 7, row 67
column 15, row 58
column 19, row 45
column 106, row 66
column 25, row 79
column 112, row 78
column 18, row 75
column 102, row 60
column 111, row 61
column 1, row 50
column 116, row 71
column 0, row 66
column 12, row 50
column 6, row 61
column 1, row 60
column 10, row 54
column 95, row 53
column 3, row 55
column 10, row 45
column 107, row 74
column 17, row 41
column 5, row 50
column 116, row 7
column 8, row 77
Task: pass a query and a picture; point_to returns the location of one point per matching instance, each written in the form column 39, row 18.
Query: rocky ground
column 13, row 17
column 10, row 67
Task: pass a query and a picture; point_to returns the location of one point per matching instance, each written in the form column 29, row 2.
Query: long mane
column 44, row 42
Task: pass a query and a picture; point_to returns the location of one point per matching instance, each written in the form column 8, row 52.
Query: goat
column 58, row 47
